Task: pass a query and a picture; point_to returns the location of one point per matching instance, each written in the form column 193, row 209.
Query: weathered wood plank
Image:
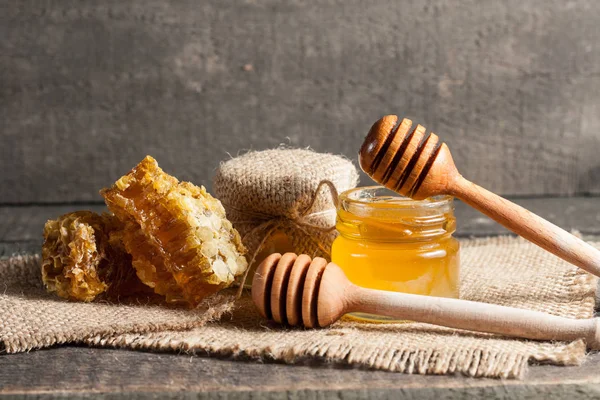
column 88, row 88
column 571, row 213
column 25, row 223
column 105, row 373
column 74, row 372
column 8, row 249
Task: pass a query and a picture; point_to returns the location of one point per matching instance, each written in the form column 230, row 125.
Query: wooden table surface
column 80, row 372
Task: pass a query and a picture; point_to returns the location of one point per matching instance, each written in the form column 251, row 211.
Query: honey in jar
column 390, row 242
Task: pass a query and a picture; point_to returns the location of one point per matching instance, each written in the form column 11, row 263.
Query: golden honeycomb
column 81, row 258
column 181, row 242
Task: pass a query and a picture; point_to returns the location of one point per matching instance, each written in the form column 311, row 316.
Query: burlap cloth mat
column 503, row 270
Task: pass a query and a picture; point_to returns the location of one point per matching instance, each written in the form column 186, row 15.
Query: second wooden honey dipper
column 297, row 290
column 418, row 165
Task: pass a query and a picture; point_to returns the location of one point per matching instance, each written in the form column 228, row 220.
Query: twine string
column 270, row 224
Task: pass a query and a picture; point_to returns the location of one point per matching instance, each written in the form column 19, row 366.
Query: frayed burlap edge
column 31, row 318
column 213, row 341
column 474, row 363
column 406, row 348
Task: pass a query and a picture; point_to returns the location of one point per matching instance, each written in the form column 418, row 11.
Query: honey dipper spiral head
column 406, row 159
column 298, row 290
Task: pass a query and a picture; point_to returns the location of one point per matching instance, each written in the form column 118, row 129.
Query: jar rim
column 346, row 197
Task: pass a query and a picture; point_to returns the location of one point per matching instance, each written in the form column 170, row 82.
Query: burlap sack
column 279, row 190
column 504, row 270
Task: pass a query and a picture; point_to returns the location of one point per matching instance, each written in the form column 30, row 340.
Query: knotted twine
column 292, row 191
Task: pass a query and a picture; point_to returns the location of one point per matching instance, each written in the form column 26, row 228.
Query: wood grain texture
column 528, row 225
column 579, row 214
column 73, row 372
column 25, row 223
column 87, row 88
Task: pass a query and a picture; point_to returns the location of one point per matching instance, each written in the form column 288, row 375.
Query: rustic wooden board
column 78, row 372
column 25, row 223
column 74, row 372
column 88, row 88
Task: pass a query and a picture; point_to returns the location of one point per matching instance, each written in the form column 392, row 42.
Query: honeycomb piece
column 123, row 280
column 81, row 261
column 181, row 242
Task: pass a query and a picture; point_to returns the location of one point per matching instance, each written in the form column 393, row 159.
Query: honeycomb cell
column 81, row 260
column 181, row 242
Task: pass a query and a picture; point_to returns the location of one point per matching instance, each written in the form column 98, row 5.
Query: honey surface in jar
column 389, row 242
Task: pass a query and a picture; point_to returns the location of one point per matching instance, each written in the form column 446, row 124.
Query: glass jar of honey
column 390, row 242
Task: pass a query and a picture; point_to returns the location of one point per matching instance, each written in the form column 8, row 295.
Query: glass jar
column 277, row 242
column 390, row 242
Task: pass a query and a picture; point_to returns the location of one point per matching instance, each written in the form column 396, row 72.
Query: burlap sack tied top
column 292, row 191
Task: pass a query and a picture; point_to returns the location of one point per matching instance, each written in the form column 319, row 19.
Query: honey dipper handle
column 475, row 316
column 528, row 225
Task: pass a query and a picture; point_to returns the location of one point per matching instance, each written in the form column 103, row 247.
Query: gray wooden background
column 87, row 88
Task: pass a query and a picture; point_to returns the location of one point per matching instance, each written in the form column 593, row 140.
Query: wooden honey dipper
column 418, row 165
column 298, row 290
